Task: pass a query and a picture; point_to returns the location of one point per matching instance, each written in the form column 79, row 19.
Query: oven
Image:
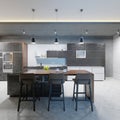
column 7, row 67
column 7, row 62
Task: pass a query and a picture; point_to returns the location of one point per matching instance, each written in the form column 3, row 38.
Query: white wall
column 41, row 50
column 116, row 57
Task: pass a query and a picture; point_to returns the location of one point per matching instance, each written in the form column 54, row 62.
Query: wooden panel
column 24, row 55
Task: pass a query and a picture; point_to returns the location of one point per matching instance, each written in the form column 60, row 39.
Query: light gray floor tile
column 106, row 105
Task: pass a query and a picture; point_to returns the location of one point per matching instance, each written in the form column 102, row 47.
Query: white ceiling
column 94, row 12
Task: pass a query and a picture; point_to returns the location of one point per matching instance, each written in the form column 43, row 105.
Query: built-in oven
column 7, row 67
column 7, row 62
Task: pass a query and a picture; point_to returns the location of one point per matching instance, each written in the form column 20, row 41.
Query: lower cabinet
column 13, row 84
column 98, row 71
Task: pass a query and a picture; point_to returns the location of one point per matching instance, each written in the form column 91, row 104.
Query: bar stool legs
column 25, row 98
column 62, row 87
column 50, row 93
column 56, row 79
column 76, row 92
column 20, row 94
column 73, row 92
column 76, row 100
column 91, row 98
column 50, row 96
column 33, row 93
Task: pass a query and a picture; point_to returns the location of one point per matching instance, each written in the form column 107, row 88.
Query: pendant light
column 55, row 32
column 33, row 39
column 56, row 38
column 118, row 32
column 23, row 32
column 81, row 40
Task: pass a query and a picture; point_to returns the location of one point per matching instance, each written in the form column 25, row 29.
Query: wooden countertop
column 47, row 72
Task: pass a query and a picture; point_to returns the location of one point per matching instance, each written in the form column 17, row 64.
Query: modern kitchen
column 59, row 66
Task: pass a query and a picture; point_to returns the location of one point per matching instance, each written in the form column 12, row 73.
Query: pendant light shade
column 55, row 31
column 56, row 41
column 33, row 40
column 81, row 40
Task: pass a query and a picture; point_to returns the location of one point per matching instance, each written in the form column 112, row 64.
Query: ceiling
column 99, row 18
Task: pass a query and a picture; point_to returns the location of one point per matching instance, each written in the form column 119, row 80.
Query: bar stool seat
column 82, row 79
column 56, row 79
column 27, row 86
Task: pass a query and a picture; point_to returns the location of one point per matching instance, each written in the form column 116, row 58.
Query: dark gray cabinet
column 58, row 54
column 17, row 62
column 13, row 84
column 13, row 46
column 19, row 50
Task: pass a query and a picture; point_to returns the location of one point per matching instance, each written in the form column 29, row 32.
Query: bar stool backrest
column 56, row 78
column 83, row 78
column 26, row 78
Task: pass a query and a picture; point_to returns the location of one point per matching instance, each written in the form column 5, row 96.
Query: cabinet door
column 12, row 46
column 17, row 62
column 86, row 68
column 1, row 65
column 98, row 69
column 73, row 68
column 1, row 75
column 98, row 76
column 98, row 73
column 13, row 85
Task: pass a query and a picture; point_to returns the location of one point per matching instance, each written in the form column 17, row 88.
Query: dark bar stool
column 56, row 79
column 38, row 86
column 82, row 79
column 27, row 85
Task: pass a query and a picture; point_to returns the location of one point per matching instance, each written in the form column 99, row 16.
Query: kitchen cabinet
column 98, row 71
column 14, row 64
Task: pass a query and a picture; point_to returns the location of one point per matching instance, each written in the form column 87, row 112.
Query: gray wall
column 108, row 41
column 116, row 57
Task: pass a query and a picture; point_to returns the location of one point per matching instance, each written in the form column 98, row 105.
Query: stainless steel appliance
column 7, row 62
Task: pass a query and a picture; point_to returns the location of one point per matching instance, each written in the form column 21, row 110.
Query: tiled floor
column 106, row 105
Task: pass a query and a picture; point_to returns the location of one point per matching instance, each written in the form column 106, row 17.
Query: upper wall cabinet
column 58, row 54
column 6, row 46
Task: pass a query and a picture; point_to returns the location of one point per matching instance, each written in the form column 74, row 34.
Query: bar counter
column 13, row 80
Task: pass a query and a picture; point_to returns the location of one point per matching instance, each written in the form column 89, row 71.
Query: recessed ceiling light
column 86, row 31
column 23, row 32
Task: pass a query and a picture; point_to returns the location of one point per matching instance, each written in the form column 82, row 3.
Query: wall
column 74, row 39
column 116, row 57
column 41, row 51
